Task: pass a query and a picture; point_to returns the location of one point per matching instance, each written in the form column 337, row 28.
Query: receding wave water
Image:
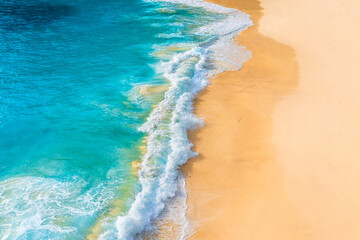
column 95, row 105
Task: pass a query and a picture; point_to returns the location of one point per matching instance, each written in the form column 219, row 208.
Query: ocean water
column 95, row 104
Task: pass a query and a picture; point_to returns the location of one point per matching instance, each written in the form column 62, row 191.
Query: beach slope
column 279, row 155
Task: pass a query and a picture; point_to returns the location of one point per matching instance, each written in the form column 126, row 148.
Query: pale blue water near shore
column 89, row 89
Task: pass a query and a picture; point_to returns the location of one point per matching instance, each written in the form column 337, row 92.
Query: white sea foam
column 170, row 35
column 200, row 3
column 35, row 205
column 168, row 145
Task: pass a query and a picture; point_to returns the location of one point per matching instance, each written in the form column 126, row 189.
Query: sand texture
column 280, row 152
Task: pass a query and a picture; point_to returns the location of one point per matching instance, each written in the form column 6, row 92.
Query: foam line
column 168, row 145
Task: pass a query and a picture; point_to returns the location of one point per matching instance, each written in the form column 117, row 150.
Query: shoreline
column 237, row 107
column 271, row 150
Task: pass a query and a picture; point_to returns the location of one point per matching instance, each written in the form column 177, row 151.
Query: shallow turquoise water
column 70, row 107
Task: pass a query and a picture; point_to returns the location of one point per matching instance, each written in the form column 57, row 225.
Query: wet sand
column 279, row 155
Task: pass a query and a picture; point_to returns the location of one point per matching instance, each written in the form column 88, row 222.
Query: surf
column 168, row 146
column 95, row 129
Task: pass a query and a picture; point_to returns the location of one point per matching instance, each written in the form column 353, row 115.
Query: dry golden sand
column 280, row 152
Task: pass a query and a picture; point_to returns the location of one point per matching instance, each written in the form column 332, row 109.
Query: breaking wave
column 168, row 146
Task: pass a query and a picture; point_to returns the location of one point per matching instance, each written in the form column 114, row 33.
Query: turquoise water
column 82, row 94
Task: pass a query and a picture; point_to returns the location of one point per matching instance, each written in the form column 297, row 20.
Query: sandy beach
column 279, row 155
